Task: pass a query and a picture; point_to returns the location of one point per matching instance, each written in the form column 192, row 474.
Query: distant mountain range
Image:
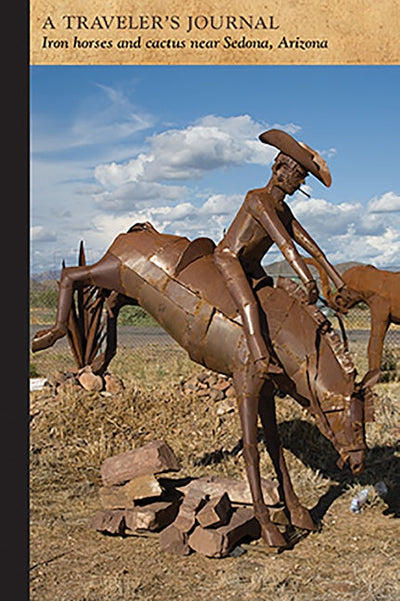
column 44, row 276
column 273, row 269
column 285, row 270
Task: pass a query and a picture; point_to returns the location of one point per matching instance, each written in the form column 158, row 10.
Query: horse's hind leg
column 248, row 384
column 299, row 515
column 104, row 274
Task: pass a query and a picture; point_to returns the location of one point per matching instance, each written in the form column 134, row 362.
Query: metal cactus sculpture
column 268, row 338
column 86, row 325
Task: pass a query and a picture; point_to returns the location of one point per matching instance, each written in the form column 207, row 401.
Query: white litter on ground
column 36, row 383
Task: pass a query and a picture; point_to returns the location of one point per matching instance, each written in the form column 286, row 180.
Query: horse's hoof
column 300, row 518
column 46, row 338
column 272, row 536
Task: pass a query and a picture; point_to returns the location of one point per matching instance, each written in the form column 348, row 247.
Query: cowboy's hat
column 307, row 157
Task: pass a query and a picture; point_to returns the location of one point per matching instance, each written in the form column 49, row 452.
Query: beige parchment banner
column 218, row 32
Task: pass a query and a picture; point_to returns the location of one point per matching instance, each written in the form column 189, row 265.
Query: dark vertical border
column 15, row 302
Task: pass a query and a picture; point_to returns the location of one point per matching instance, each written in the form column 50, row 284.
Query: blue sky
column 178, row 146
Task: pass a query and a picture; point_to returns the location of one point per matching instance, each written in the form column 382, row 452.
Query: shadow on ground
column 306, row 442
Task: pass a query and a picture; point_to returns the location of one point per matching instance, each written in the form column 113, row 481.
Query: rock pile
column 107, row 384
column 213, row 387
column 209, row 515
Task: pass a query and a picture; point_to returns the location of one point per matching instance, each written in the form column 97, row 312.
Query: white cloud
column 186, row 154
column 133, row 195
column 387, row 203
column 351, row 232
column 323, row 216
column 40, row 234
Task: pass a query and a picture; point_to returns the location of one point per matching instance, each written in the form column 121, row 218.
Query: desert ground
column 72, row 431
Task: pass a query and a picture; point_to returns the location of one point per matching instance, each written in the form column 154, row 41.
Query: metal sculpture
column 379, row 289
column 265, row 219
column 180, row 284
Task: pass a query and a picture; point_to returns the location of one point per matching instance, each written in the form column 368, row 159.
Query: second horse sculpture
column 379, row 289
column 178, row 283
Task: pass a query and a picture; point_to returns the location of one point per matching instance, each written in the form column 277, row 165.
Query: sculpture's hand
column 312, row 291
column 343, row 299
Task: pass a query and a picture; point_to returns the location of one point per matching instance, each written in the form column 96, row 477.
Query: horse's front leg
column 380, row 321
column 104, row 274
column 299, row 515
column 248, row 386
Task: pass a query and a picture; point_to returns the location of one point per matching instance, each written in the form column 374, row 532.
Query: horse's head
column 341, row 418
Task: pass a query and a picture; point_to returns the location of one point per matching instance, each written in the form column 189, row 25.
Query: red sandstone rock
column 113, row 384
column 124, row 496
column 216, row 512
column 89, row 381
column 219, row 542
column 153, row 458
column 110, row 521
column 153, row 516
column 193, row 501
column 172, row 540
column 237, row 490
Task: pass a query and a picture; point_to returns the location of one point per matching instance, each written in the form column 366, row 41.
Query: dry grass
column 349, row 557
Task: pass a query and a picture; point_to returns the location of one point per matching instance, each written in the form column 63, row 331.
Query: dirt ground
column 350, row 556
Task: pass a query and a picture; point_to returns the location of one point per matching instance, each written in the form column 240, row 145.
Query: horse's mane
column 325, row 326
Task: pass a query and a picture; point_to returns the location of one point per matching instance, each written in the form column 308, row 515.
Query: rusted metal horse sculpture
column 379, row 289
column 179, row 284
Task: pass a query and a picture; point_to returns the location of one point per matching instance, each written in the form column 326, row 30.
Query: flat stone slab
column 109, row 521
column 125, row 495
column 153, row 458
column 153, row 517
column 237, row 490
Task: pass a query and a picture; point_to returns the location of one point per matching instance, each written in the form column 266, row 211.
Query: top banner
column 188, row 32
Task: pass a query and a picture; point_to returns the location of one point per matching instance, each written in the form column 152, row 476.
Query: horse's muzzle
column 357, row 461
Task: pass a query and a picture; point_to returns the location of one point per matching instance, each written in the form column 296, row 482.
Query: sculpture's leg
column 299, row 515
column 379, row 327
column 243, row 296
column 248, row 385
column 104, row 274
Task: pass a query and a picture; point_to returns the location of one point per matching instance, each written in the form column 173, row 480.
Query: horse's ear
column 371, row 378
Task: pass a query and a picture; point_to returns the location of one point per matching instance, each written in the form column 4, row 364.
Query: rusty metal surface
column 221, row 307
column 379, row 289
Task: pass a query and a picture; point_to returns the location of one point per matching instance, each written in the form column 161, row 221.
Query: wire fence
column 138, row 333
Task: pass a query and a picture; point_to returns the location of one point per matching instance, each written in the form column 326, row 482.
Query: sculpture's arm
column 269, row 220
column 305, row 241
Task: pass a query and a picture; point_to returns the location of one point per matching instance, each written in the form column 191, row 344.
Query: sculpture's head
column 295, row 161
column 289, row 175
column 341, row 414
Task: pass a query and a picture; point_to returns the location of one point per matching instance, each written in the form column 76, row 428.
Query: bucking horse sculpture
column 179, row 283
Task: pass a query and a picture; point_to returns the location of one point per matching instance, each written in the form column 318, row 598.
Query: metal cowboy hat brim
column 300, row 152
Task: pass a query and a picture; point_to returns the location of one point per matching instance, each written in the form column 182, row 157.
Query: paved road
column 130, row 336
column 138, row 336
